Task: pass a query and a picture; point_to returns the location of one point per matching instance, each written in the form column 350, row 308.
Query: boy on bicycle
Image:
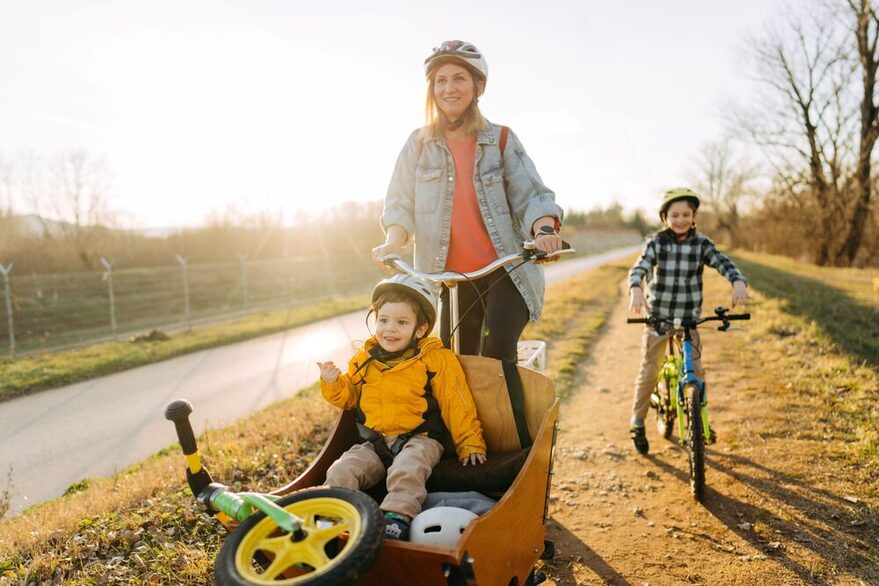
column 672, row 263
column 406, row 390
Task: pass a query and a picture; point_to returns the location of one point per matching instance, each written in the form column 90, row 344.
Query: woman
column 465, row 204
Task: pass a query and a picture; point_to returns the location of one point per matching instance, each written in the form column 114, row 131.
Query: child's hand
column 739, row 293
column 473, row 459
column 328, row 372
column 636, row 300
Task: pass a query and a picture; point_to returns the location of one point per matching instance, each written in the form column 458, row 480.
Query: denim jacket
column 510, row 194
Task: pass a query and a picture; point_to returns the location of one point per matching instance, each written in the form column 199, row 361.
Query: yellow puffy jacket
column 393, row 401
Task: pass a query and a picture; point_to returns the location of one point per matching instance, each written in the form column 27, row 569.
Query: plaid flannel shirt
column 673, row 272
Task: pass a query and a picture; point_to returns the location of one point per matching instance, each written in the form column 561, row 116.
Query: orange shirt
column 470, row 247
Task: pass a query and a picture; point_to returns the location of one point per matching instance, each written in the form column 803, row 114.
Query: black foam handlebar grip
column 739, row 316
column 178, row 412
column 637, row 320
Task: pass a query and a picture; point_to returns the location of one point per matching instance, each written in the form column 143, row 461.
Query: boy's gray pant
column 360, row 468
column 654, row 348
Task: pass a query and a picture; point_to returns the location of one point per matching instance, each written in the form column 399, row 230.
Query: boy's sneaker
column 712, row 436
column 639, row 437
column 396, row 527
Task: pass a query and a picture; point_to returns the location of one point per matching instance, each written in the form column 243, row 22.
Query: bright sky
column 279, row 105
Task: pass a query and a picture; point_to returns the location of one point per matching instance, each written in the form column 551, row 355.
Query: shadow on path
column 571, row 554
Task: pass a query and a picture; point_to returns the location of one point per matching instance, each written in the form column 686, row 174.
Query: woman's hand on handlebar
column 383, row 250
column 395, row 238
column 548, row 243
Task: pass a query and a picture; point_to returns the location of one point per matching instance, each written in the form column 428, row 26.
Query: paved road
column 91, row 429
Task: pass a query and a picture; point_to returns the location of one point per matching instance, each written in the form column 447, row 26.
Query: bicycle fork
column 689, row 377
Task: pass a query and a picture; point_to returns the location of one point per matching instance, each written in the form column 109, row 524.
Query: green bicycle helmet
column 678, row 194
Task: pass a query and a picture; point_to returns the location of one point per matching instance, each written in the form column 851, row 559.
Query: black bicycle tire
column 695, row 442
column 356, row 562
column 665, row 415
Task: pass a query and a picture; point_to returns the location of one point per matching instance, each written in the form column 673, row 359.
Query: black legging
column 506, row 315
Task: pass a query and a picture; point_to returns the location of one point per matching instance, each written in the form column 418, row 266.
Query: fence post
column 6, row 270
column 108, row 275
column 187, row 324
column 243, row 259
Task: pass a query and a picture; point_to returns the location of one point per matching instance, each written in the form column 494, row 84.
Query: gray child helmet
column 418, row 289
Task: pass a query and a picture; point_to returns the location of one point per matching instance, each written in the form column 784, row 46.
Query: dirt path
column 619, row 518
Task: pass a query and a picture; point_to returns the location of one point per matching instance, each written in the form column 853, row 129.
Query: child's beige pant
column 360, row 468
column 654, row 348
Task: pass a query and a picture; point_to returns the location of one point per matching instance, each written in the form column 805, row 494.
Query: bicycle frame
column 679, row 367
column 686, row 374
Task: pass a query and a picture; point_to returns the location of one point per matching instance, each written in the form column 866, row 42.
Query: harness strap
column 517, row 401
column 385, row 452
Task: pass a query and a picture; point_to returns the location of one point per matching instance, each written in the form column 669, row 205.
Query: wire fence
column 62, row 310
column 65, row 310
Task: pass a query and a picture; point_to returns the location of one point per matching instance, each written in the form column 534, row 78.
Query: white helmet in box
column 440, row 526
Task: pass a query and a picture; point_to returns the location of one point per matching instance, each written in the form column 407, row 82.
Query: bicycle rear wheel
column 695, row 442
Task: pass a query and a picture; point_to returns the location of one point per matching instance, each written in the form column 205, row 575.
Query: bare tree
column 863, row 20
column 725, row 181
column 818, row 124
column 77, row 193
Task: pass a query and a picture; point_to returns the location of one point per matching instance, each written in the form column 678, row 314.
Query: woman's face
column 453, row 90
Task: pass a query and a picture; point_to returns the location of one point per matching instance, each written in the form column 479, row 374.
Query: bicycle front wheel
column 341, row 537
column 695, row 442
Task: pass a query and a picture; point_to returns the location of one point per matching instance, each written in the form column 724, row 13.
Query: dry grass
column 806, row 404
column 142, row 526
column 572, row 318
column 810, row 401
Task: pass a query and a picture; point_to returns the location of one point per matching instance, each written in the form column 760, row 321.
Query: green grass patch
column 840, row 302
column 36, row 373
column 812, row 348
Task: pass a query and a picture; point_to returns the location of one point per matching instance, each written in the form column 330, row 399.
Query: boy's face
column 395, row 324
column 680, row 217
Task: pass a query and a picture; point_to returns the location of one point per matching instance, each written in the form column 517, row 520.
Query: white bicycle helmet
column 421, row 290
column 441, row 526
column 461, row 51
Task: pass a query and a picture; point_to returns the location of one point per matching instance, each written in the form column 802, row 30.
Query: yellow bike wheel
column 340, row 539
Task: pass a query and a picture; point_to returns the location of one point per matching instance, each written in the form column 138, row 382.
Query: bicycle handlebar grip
column 178, row 412
column 637, row 320
column 739, row 316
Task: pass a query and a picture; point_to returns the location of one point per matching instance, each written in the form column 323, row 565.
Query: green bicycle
column 680, row 395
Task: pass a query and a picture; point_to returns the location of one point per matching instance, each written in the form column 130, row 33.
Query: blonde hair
column 435, row 120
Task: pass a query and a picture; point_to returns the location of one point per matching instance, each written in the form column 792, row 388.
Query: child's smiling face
column 395, row 323
column 680, row 217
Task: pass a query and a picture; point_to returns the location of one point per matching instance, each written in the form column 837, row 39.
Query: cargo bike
column 304, row 533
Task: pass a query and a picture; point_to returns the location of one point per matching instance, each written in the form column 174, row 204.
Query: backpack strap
column 505, row 130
